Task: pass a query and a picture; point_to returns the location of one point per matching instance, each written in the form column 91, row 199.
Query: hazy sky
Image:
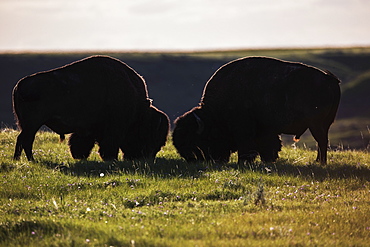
column 181, row 25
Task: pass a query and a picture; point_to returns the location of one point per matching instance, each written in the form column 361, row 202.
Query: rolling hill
column 176, row 80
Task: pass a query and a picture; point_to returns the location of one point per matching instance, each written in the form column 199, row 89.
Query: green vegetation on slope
column 58, row 201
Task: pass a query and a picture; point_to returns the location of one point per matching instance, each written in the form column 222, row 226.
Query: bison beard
column 99, row 100
column 249, row 102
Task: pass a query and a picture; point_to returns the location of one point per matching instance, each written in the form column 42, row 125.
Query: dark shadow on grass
column 161, row 167
column 179, row 168
column 312, row 171
column 17, row 231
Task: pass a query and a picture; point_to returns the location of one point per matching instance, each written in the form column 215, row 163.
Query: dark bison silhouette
column 99, row 100
column 248, row 102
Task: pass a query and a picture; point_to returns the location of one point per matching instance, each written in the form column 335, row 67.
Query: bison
column 98, row 99
column 249, row 102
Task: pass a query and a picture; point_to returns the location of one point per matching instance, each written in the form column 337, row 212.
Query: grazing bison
column 99, row 100
column 248, row 102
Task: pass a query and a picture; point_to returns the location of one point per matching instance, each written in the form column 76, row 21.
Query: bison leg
column 243, row 136
column 108, row 149
column 24, row 142
column 247, row 157
column 80, row 146
column 247, row 152
column 18, row 148
column 321, row 136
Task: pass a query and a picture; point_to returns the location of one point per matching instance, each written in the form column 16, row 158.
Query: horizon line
column 181, row 51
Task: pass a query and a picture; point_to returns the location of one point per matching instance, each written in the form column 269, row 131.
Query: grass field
column 58, row 201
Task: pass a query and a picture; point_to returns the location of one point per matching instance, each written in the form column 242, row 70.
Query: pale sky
column 167, row 25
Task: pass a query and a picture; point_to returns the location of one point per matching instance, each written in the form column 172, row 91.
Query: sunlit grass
column 58, row 201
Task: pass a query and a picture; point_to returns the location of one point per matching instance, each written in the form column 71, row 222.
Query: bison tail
column 16, row 111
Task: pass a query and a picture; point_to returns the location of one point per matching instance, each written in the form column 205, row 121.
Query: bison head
column 198, row 138
column 147, row 136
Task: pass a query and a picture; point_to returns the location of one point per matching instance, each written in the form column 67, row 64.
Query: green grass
column 58, row 201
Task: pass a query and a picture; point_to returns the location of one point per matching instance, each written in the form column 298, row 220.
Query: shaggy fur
column 249, row 102
column 98, row 99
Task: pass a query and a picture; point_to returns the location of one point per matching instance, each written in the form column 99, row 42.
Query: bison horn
column 200, row 124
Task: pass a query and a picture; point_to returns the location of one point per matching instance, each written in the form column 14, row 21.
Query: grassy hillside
column 293, row 202
column 176, row 80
